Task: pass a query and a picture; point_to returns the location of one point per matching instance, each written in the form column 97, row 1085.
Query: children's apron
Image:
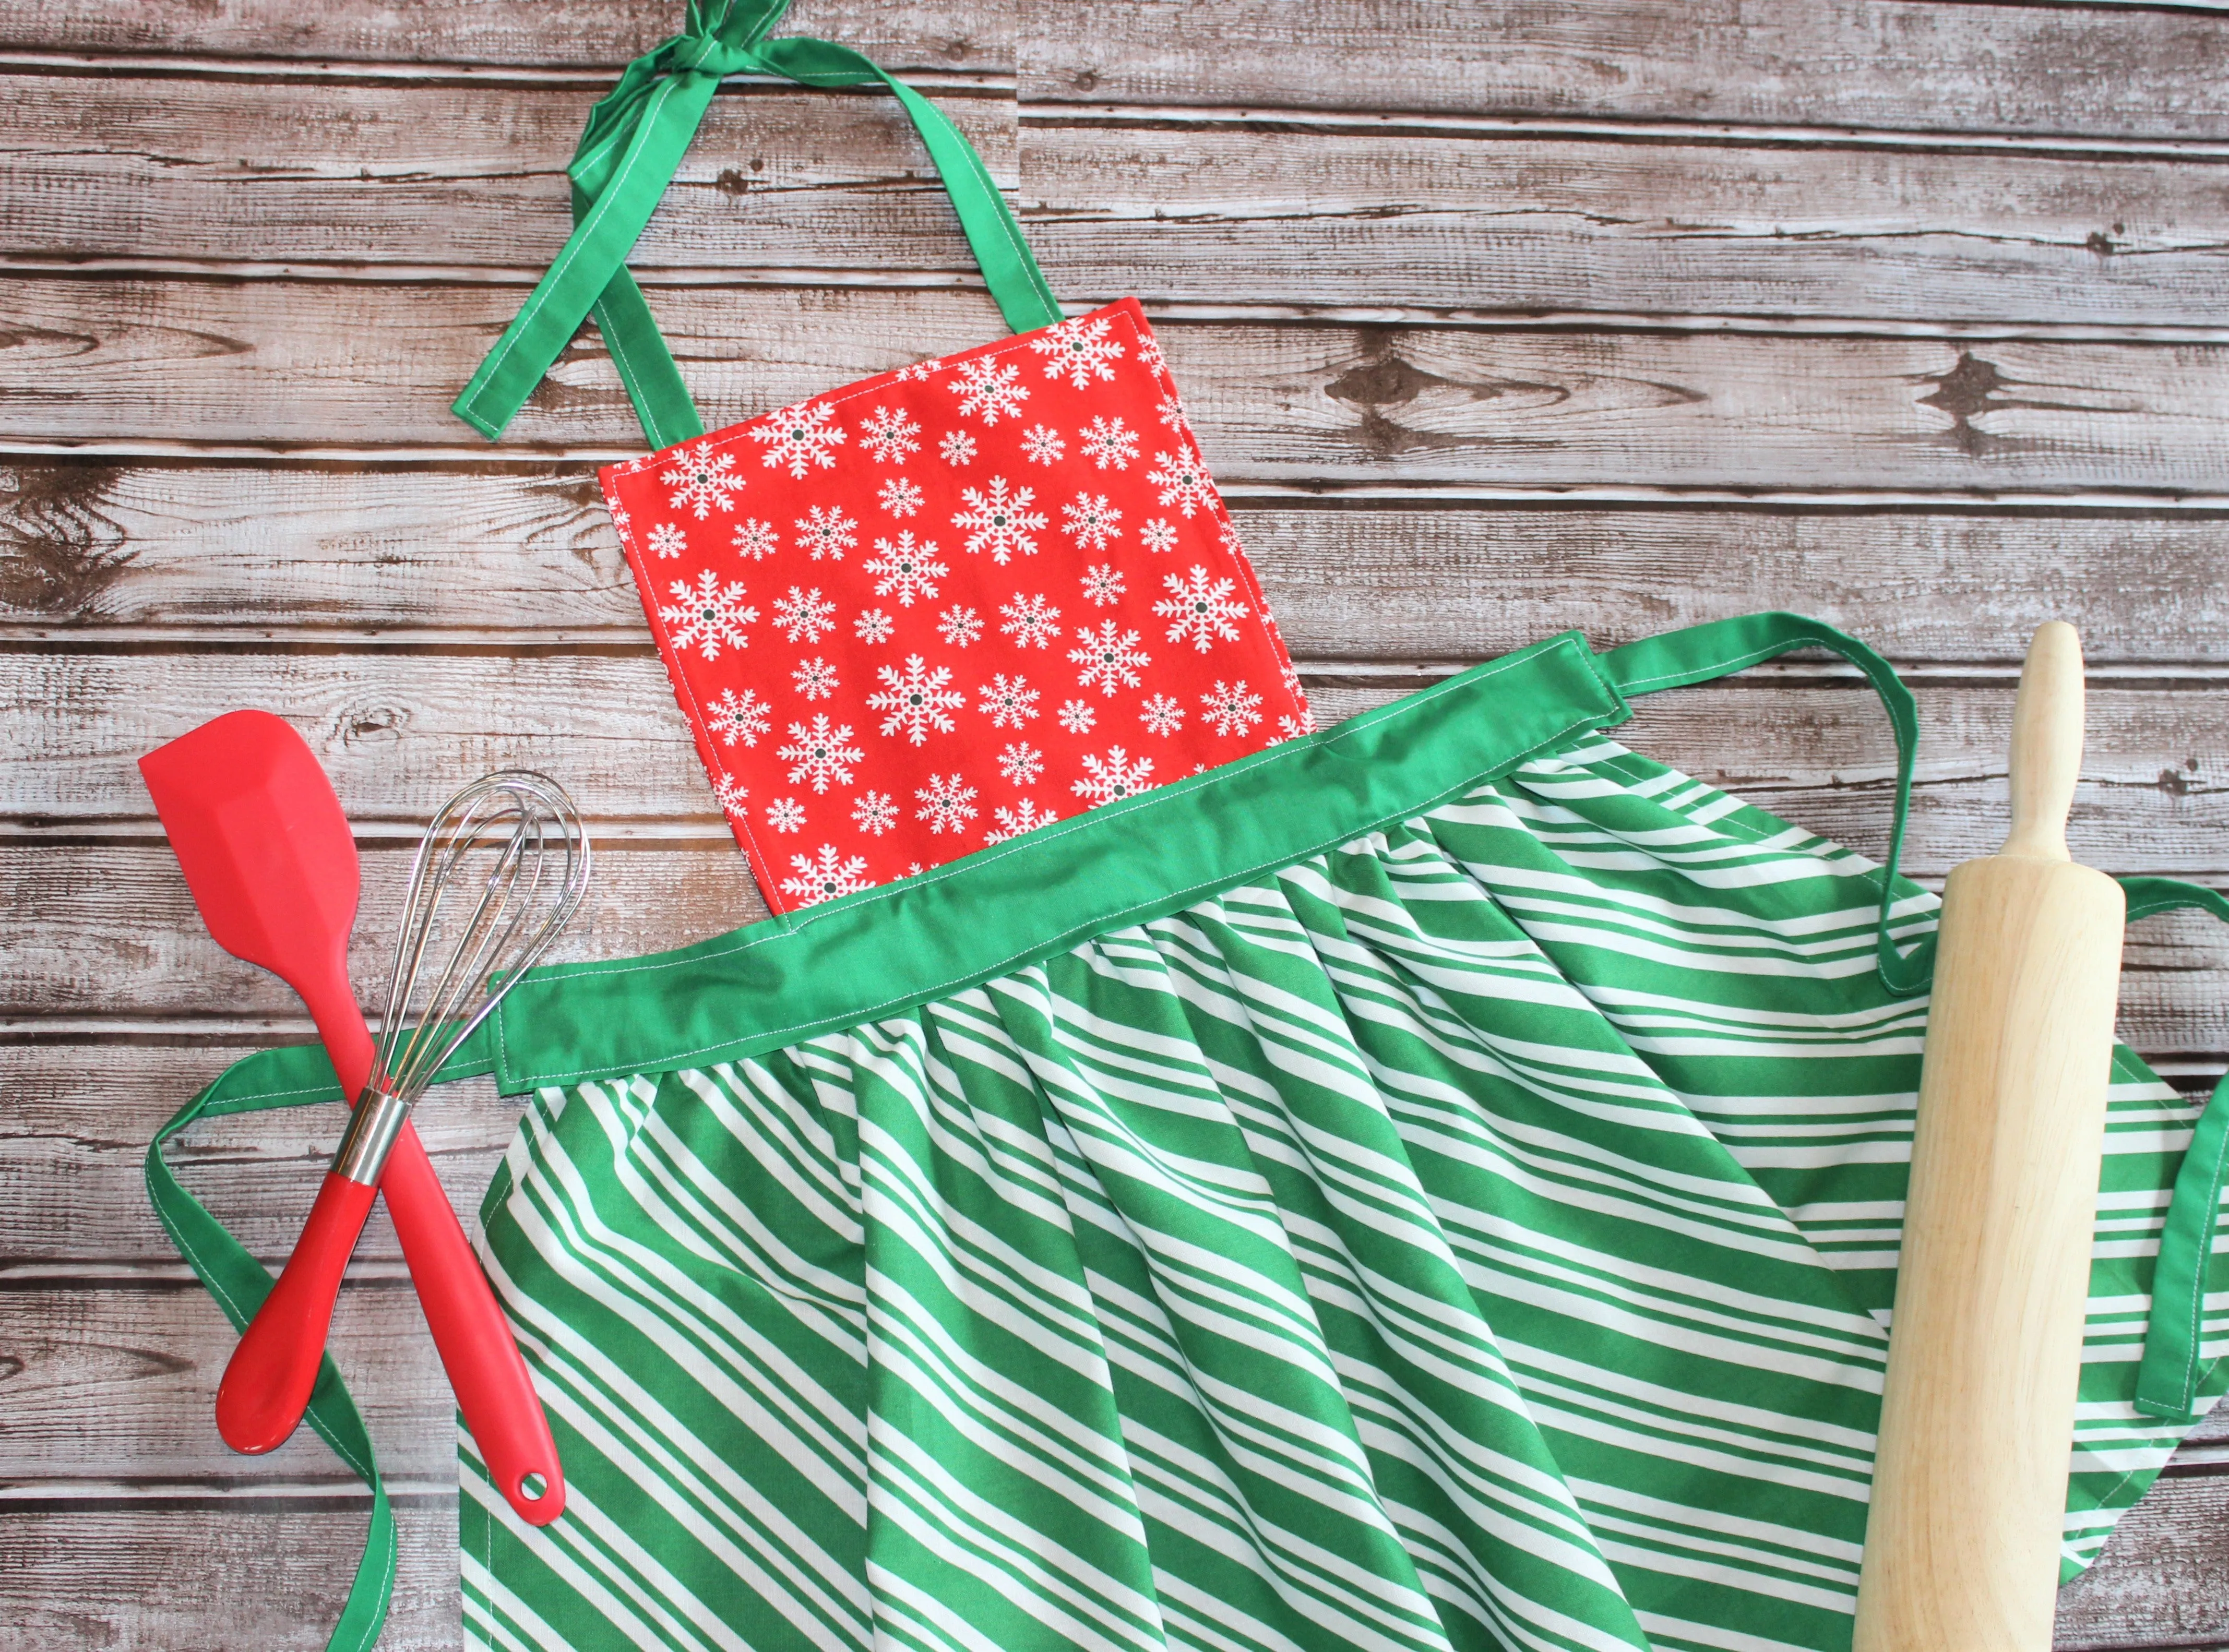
column 1434, row 1183
column 933, row 608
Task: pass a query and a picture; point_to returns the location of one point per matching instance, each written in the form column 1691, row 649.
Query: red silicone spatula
column 272, row 864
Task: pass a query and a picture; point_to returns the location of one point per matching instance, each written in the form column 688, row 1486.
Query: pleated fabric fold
column 1480, row 1235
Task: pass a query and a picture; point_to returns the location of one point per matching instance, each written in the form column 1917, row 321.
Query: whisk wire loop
column 499, row 873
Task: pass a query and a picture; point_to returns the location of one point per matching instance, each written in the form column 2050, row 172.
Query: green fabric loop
column 2166, row 1381
column 295, row 1075
column 633, row 141
column 1721, row 648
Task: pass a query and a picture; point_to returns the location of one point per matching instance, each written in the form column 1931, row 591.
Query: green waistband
column 884, row 950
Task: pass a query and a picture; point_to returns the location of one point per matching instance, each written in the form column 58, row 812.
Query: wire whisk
column 498, row 875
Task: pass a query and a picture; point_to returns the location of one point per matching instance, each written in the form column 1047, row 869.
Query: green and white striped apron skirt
column 1434, row 1184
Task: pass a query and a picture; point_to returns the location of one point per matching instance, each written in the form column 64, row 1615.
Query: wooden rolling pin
column 1985, row 1351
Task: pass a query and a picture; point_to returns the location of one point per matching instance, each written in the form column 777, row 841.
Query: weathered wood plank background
column 1497, row 316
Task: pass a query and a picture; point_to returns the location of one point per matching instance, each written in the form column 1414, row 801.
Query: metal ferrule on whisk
column 379, row 1117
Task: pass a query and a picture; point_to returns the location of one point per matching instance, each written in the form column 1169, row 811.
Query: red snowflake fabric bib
column 948, row 605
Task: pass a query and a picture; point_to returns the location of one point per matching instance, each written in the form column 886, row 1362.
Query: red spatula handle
column 484, row 1363
column 266, row 1384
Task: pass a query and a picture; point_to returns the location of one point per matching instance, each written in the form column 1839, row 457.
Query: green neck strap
column 633, row 141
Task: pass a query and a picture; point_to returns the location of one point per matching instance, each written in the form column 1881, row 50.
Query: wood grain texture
column 166, row 1574
column 2121, row 71
column 408, row 555
column 131, row 169
column 272, row 367
column 2040, row 68
column 1497, row 224
column 414, row 34
column 75, row 1130
column 352, row 177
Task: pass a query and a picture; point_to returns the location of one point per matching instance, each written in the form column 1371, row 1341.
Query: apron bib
column 934, row 609
column 1434, row 1183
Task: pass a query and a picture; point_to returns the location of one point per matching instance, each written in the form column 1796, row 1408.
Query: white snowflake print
column 1115, row 776
column 731, row 794
column 960, row 626
column 702, row 480
column 1157, row 535
column 1031, row 621
column 815, row 679
column 999, row 519
column 916, row 700
column 1041, row 444
column 1229, row 709
column 1291, row 728
column 1201, row 609
column 620, row 519
column 1162, row 714
column 900, row 497
column 1076, row 716
column 1149, row 354
column 945, row 804
column 1108, row 441
column 825, row 875
column 803, row 615
column 826, row 533
column 739, row 717
column 1110, row 661
column 708, row 616
column 1102, row 584
column 922, row 370
column 755, row 539
column 1089, row 520
column 821, row 755
column 905, row 570
column 786, row 815
column 1078, row 351
column 1173, row 414
column 667, row 540
column 1012, row 822
column 1229, row 536
column 958, row 448
column 1008, row 701
column 990, row 390
column 873, row 626
column 1021, row 762
column 873, row 813
column 889, row 436
column 799, row 438
column 1183, row 481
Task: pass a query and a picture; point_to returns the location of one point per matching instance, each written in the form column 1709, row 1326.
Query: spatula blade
column 262, row 840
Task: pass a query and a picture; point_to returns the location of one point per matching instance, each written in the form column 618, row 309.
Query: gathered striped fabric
column 1479, row 1234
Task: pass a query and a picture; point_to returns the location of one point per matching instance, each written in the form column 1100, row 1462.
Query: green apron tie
column 292, row 1077
column 2167, row 1379
column 626, row 159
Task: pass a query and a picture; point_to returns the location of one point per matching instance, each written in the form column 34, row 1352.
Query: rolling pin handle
column 2046, row 745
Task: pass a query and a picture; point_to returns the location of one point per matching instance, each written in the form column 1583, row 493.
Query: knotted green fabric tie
column 626, row 157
